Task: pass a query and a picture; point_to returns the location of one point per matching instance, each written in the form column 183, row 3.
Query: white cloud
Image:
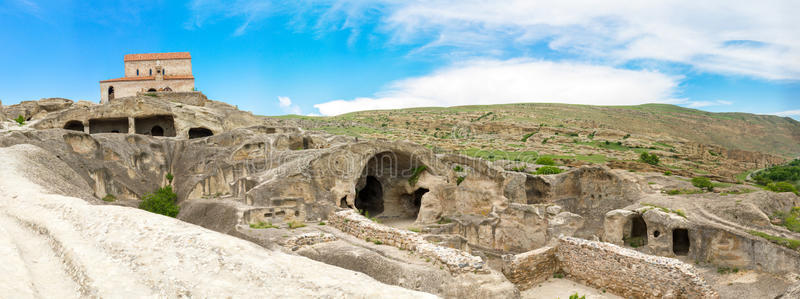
column 699, row 104
column 286, row 105
column 284, row 102
column 479, row 82
column 788, row 113
column 755, row 38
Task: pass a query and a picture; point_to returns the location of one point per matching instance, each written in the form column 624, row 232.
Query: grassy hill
column 695, row 140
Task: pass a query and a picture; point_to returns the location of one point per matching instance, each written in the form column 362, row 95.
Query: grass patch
column 790, row 220
column 109, row 198
column 548, row 170
column 727, row 270
column 414, row 229
column 444, row 220
column 262, row 225
column 785, row 242
column 667, row 210
column 294, row 224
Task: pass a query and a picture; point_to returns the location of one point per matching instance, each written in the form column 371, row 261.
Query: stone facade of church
column 152, row 72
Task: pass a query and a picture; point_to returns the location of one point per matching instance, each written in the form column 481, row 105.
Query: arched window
column 137, row 73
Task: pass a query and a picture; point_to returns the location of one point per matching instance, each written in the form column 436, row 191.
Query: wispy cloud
column 481, row 82
column 756, row 39
column 700, row 104
column 789, row 113
column 286, row 104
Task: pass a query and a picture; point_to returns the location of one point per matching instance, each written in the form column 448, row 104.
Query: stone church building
column 152, row 72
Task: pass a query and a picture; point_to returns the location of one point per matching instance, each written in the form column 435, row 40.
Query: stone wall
column 455, row 260
column 532, row 267
column 132, row 87
column 629, row 273
column 171, row 67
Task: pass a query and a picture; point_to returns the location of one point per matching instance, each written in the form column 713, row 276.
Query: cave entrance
column 74, row 125
column 537, row 190
column 157, row 131
column 389, row 189
column 199, row 133
column 638, row 233
column 156, row 125
column 680, row 241
column 369, row 200
column 108, row 125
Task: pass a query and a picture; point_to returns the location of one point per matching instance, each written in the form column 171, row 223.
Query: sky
column 337, row 56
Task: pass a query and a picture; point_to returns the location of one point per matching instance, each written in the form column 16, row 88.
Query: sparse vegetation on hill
column 20, row 120
column 548, row 170
column 781, row 178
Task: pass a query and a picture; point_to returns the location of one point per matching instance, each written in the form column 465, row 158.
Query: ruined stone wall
column 629, row 273
column 171, row 67
column 130, row 88
column 455, row 260
column 532, row 267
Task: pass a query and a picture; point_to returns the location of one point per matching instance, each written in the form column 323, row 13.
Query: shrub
column 20, row 120
column 163, row 202
column 576, row 296
column 415, row 176
column 460, row 179
column 626, row 136
column 548, row 170
column 649, row 158
column 458, row 168
column 525, row 138
column 668, row 173
column 703, row 183
column 109, row 198
column 782, row 187
column 790, row 220
column 545, row 161
column 170, row 177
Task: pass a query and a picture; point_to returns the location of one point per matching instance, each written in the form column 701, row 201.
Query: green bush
column 649, row 158
column 170, row 177
column 163, row 202
column 458, row 168
column 526, row 136
column 576, row 296
column 545, row 161
column 548, row 170
column 415, row 176
column 460, row 179
column 703, row 183
column 668, row 173
column 20, row 120
column 791, row 220
column 109, row 198
column 782, row 187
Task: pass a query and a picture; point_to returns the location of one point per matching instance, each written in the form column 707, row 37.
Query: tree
column 649, row 158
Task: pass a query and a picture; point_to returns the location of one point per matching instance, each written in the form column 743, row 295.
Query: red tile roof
column 147, row 78
column 158, row 56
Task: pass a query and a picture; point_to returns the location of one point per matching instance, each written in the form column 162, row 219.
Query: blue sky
column 337, row 56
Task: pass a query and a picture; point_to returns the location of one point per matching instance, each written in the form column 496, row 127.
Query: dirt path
column 562, row 288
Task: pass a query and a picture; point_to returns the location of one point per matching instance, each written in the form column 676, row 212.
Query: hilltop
column 726, row 145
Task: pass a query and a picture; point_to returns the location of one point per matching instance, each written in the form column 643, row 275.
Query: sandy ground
column 562, row 288
column 55, row 246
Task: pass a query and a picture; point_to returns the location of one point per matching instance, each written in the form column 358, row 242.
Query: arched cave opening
column 637, row 235
column 152, row 89
column 155, row 125
column 200, row 133
column 680, row 241
column 74, row 125
column 369, row 200
column 157, row 131
column 387, row 191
